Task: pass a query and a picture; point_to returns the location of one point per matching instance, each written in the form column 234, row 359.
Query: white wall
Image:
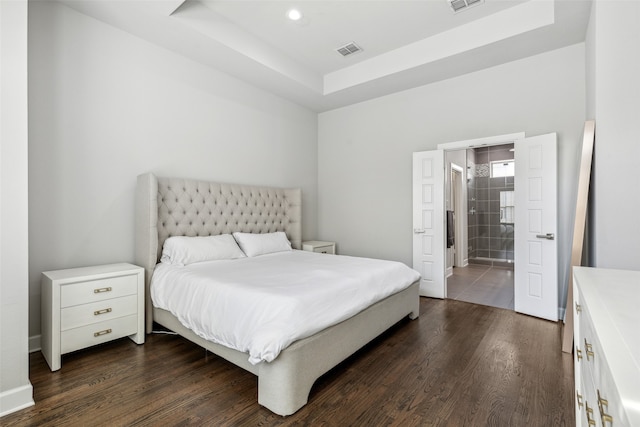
column 106, row 106
column 590, row 64
column 613, row 44
column 15, row 389
column 364, row 164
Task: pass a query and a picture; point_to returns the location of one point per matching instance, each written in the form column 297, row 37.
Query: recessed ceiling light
column 294, row 14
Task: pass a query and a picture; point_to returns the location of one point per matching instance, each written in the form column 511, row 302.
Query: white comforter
column 261, row 305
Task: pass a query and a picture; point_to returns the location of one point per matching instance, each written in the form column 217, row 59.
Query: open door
column 428, row 222
column 536, row 247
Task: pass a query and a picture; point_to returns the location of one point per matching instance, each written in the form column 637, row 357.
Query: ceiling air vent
column 460, row 5
column 349, row 49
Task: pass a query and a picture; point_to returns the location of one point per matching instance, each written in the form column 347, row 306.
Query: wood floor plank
column 457, row 364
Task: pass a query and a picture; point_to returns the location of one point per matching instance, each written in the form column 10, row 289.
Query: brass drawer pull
column 105, row 332
column 590, row 419
column 578, row 354
column 588, row 349
column 579, row 399
column 578, row 308
column 101, row 290
column 103, row 311
column 603, row 406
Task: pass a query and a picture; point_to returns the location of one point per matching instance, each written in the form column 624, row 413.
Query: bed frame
column 181, row 207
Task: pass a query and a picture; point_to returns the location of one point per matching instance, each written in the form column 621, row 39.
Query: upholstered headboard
column 168, row 207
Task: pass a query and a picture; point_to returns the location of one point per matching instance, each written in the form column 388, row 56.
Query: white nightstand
column 319, row 246
column 82, row 307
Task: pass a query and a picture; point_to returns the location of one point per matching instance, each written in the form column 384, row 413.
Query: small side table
column 82, row 307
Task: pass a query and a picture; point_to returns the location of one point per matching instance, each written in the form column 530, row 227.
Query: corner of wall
column 16, row 391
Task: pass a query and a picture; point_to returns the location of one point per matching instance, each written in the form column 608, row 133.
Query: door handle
column 548, row 236
column 418, row 230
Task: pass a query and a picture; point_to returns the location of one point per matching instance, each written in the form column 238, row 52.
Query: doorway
column 484, row 226
column 535, row 211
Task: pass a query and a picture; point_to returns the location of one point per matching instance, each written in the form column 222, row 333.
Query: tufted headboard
column 168, row 207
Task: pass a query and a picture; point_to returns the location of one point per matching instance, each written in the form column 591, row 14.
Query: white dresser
column 607, row 346
column 82, row 307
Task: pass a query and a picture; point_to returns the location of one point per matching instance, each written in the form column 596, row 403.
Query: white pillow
column 260, row 244
column 182, row 250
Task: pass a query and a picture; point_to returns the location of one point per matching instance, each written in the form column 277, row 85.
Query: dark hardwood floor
column 458, row 364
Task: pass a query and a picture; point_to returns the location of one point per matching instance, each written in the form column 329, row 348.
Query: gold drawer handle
column 578, row 354
column 579, row 399
column 101, row 290
column 588, row 349
column 105, row 332
column 603, row 405
column 590, row 419
column 578, row 308
column 103, row 311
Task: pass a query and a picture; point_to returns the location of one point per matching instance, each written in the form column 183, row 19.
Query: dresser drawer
column 97, row 333
column 99, row 311
column 589, row 407
column 589, row 345
column 608, row 400
column 577, row 314
column 97, row 290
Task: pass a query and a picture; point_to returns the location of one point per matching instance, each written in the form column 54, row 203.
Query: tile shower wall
column 488, row 237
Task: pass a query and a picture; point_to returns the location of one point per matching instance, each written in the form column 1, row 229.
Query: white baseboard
column 34, row 344
column 15, row 399
column 449, row 272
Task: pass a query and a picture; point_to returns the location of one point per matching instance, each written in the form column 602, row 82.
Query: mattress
column 260, row 305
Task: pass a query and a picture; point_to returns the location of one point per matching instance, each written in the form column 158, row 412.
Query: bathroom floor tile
column 480, row 284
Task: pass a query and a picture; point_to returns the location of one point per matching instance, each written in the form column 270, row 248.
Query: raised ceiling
column 405, row 43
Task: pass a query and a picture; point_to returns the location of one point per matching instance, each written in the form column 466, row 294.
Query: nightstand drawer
column 97, row 333
column 319, row 247
column 97, row 290
column 324, row 249
column 100, row 311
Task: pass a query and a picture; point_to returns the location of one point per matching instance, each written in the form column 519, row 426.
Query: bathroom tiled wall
column 488, row 238
column 471, row 204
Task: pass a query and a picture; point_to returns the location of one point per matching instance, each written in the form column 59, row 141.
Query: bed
column 167, row 207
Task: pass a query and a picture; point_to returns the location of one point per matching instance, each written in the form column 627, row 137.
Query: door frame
column 481, row 142
column 474, row 143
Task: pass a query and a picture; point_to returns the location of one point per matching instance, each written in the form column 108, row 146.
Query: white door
column 428, row 222
column 536, row 251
